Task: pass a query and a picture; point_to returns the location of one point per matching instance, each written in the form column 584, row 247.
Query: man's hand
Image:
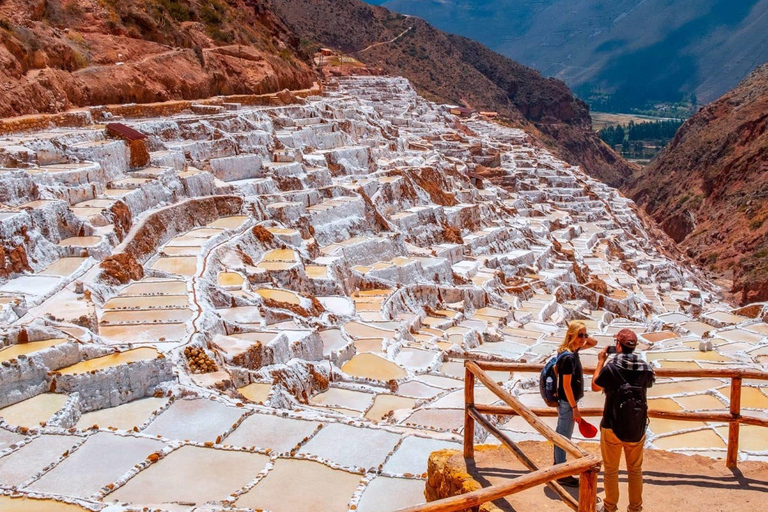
column 576, row 414
column 603, row 354
column 601, row 357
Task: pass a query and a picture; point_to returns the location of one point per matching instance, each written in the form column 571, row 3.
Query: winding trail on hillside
column 401, row 34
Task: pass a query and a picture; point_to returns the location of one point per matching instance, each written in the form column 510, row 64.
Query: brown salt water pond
column 279, row 296
column 192, row 475
column 142, row 333
column 373, row 367
column 21, row 504
column 156, row 288
column 147, row 302
column 230, row 279
column 358, row 330
column 321, row 488
column 63, row 267
column 101, row 363
column 256, row 392
column 14, row 351
column 346, row 398
column 706, row 438
column 181, row 265
column 383, row 405
column 283, row 255
column 165, row 315
column 233, row 222
column 123, row 417
column 80, row 241
column 316, row 271
column 32, row 411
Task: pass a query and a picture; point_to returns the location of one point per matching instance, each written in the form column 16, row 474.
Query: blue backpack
column 548, row 380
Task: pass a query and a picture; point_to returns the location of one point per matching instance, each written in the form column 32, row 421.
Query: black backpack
column 548, row 380
column 630, row 412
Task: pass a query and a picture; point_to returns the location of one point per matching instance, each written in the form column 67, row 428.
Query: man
column 625, row 379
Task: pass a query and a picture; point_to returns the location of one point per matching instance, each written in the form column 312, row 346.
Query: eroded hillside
column 709, row 188
column 60, row 54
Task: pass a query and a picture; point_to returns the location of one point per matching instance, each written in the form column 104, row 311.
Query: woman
column 570, row 385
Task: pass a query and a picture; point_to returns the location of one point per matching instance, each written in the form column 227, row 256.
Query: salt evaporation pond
column 411, row 265
column 15, row 351
column 101, row 363
column 33, row 411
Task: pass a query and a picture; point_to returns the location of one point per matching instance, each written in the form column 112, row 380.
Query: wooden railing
column 586, row 465
column 733, row 417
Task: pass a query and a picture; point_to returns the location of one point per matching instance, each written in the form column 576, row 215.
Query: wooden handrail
column 734, row 418
column 723, row 373
column 501, row 410
column 543, row 429
column 521, row 483
column 522, row 457
column 585, row 464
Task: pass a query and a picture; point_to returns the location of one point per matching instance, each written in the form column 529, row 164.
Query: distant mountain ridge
column 621, row 54
column 709, row 188
column 454, row 69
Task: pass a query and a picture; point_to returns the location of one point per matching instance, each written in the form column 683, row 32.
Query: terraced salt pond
column 198, row 475
column 33, row 411
column 104, row 362
column 337, row 410
column 323, row 488
column 63, row 266
column 179, row 265
column 372, row 366
column 80, row 241
column 142, row 333
column 123, row 417
column 24, row 349
column 23, row 504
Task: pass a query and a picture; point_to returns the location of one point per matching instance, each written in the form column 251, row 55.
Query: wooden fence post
column 733, row 426
column 588, row 490
column 469, row 421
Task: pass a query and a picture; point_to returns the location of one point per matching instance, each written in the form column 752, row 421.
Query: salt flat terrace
column 273, row 312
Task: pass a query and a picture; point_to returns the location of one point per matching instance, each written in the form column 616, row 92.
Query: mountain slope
column 622, row 54
column 454, row 69
column 709, row 188
column 60, row 54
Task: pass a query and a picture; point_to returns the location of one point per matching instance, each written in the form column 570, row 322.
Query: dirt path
column 672, row 481
column 154, row 56
column 401, row 34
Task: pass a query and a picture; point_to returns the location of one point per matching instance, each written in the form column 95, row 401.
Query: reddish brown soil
column 121, row 218
column 672, row 482
column 434, row 184
column 121, row 268
column 709, row 188
column 60, row 54
column 262, row 235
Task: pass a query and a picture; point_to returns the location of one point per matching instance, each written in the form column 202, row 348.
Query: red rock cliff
column 60, row 54
column 709, row 188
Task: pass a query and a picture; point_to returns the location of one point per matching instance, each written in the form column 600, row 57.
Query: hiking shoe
column 568, row 481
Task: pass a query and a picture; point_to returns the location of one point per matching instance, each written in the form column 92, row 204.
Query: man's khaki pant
column 611, row 448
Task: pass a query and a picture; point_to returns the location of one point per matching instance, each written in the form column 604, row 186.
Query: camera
column 611, row 349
